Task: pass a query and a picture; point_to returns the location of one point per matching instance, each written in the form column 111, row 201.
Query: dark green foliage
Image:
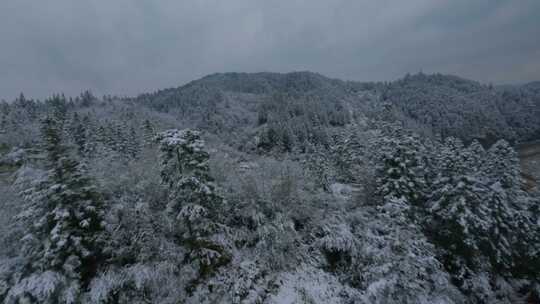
column 76, row 227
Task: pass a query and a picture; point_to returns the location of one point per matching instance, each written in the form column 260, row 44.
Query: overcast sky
column 126, row 47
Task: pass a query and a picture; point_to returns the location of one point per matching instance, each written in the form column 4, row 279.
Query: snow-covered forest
column 272, row 188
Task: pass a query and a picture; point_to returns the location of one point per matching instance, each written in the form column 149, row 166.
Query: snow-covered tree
column 91, row 143
column 148, row 131
column 193, row 203
column 402, row 175
column 478, row 217
column 449, row 158
column 62, row 219
column 460, row 218
column 475, row 156
column 77, row 133
column 133, row 146
column 502, row 165
column 318, row 164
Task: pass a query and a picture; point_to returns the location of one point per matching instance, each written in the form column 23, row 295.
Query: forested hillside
column 435, row 105
column 452, row 106
column 271, row 188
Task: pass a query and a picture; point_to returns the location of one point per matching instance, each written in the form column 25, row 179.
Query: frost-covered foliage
column 63, row 228
column 457, row 107
column 271, row 188
column 476, row 217
column 312, row 285
column 397, row 264
column 478, row 220
column 193, row 203
column 157, row 282
column 403, row 171
column 478, row 203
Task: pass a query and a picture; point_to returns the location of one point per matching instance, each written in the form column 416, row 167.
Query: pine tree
column 148, row 131
column 105, row 140
column 502, row 165
column 403, row 171
column 111, row 138
column 396, row 263
column 318, row 164
column 133, row 147
column 91, row 136
column 450, row 159
column 119, row 131
column 193, row 202
column 77, row 132
column 58, row 106
column 458, row 216
column 87, row 98
column 479, row 224
column 64, row 228
column 474, row 158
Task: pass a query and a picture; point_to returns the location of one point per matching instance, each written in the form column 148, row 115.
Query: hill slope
column 432, row 104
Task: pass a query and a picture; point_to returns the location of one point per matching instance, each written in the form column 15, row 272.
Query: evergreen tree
column 64, row 229
column 91, row 136
column 77, row 132
column 132, row 148
column 458, row 217
column 58, row 108
column 87, row 98
column 478, row 224
column 502, row 165
column 119, row 131
column 403, row 171
column 105, row 140
column 475, row 156
column 348, row 152
column 193, row 203
column 396, row 263
column 318, row 164
column 111, row 137
column 148, row 131
column 449, row 160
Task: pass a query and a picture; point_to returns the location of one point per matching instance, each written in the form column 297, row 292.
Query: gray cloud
column 133, row 46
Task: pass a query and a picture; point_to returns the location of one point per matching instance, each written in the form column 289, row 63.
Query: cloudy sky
column 127, row 47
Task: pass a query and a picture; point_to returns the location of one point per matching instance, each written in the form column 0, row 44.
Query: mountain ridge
column 435, row 104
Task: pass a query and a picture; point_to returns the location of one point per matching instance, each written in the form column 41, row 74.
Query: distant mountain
column 438, row 105
column 280, row 108
column 295, row 83
column 453, row 106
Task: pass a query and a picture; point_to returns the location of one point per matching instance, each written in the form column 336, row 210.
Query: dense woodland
column 271, row 188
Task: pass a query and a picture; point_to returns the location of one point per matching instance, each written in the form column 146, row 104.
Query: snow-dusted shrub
column 46, row 287
column 158, row 282
column 396, row 264
column 310, row 285
column 338, row 245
